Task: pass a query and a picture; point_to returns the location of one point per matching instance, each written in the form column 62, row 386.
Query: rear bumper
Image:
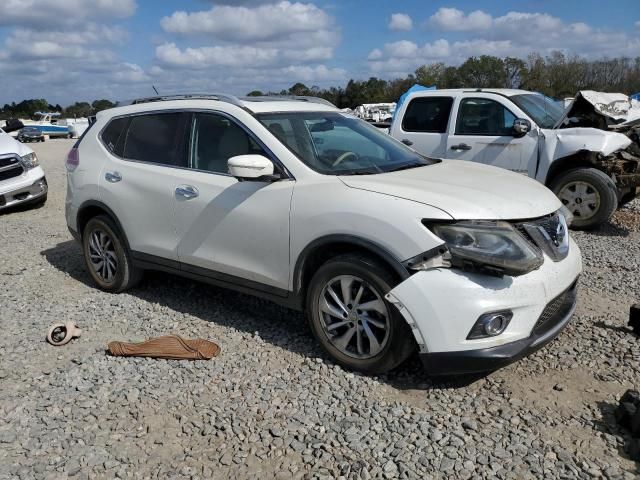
column 547, row 328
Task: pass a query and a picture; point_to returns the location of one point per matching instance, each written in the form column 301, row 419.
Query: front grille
column 548, row 233
column 556, row 310
column 10, row 167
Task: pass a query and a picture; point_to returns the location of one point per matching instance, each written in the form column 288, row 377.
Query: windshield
column 334, row 143
column 543, row 110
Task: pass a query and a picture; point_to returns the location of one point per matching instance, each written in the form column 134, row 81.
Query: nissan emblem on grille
column 549, row 234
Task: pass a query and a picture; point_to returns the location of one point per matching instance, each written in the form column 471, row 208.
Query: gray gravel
column 272, row 405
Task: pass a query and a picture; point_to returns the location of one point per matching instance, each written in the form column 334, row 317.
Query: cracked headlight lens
column 491, row 247
column 30, row 160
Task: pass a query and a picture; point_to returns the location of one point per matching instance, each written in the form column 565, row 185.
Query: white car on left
column 22, row 180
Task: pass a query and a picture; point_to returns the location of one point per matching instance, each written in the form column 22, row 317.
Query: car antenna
column 155, row 89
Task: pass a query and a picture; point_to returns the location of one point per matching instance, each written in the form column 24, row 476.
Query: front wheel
column 589, row 194
column 106, row 256
column 351, row 319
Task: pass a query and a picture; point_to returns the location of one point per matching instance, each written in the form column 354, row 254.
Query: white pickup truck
column 592, row 171
column 22, row 180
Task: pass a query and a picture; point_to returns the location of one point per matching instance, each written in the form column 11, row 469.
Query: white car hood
column 9, row 145
column 465, row 190
column 559, row 143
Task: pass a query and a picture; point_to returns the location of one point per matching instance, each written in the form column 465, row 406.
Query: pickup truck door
column 422, row 123
column 483, row 132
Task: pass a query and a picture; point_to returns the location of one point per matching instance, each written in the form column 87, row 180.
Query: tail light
column 73, row 160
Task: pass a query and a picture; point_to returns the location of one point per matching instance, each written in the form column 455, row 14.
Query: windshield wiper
column 407, row 166
column 359, row 171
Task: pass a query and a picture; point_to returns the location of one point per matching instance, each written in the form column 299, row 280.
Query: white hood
column 465, row 190
column 9, row 145
column 559, row 143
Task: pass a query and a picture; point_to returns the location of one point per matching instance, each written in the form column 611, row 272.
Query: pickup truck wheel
column 589, row 194
column 106, row 256
column 353, row 322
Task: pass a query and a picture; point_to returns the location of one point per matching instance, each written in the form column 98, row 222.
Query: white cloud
column 254, row 46
column 501, row 36
column 637, row 24
column 400, row 21
column 452, row 19
column 52, row 14
column 262, row 23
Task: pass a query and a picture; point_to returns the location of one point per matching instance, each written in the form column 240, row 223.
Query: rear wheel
column 351, row 319
column 106, row 256
column 589, row 194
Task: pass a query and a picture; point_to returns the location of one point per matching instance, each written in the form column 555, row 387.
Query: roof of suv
column 262, row 104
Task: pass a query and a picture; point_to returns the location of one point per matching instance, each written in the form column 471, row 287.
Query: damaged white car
column 591, row 170
column 386, row 251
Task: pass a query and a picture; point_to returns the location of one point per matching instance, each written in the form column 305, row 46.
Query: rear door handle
column 186, row 191
column 112, row 177
column 461, row 146
column 407, row 142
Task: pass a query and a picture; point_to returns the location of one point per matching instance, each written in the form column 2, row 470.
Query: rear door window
column 427, row 114
column 157, row 138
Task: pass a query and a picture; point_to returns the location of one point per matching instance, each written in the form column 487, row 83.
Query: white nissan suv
column 387, row 251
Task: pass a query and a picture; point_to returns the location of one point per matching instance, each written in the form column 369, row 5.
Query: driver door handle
column 186, row 191
column 407, row 142
column 461, row 146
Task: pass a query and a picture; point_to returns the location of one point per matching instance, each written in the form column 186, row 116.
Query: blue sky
column 68, row 50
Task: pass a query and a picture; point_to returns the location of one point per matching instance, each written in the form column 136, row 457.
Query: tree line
column 557, row 75
column 28, row 108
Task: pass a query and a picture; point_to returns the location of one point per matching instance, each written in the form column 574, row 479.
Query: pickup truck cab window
column 482, row 116
column 427, row 114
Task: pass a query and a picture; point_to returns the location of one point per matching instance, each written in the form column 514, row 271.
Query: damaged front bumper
column 442, row 305
column 552, row 321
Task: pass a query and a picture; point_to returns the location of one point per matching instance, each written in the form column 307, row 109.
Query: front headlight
column 492, row 247
column 30, row 160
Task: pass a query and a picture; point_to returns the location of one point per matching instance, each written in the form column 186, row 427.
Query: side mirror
column 521, row 127
column 252, row 167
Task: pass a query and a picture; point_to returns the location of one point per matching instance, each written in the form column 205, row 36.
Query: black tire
column 125, row 275
column 399, row 341
column 597, row 182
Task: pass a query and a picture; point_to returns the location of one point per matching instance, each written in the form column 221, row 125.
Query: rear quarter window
column 112, row 135
column 427, row 114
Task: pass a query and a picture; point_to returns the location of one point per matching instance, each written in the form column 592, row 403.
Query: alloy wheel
column 102, row 255
column 354, row 317
column 582, row 200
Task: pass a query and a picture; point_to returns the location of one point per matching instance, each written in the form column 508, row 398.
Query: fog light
column 490, row 324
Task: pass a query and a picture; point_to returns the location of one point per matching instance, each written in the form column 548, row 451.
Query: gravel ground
column 272, row 405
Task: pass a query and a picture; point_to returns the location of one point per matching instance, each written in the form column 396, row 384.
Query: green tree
column 430, row 75
column 78, row 109
column 299, row 89
column 255, row 93
column 99, row 105
column 485, row 71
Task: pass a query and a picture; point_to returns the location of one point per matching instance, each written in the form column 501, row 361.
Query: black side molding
column 277, row 295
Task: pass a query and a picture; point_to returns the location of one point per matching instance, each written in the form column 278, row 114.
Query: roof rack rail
column 222, row 97
column 283, row 98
